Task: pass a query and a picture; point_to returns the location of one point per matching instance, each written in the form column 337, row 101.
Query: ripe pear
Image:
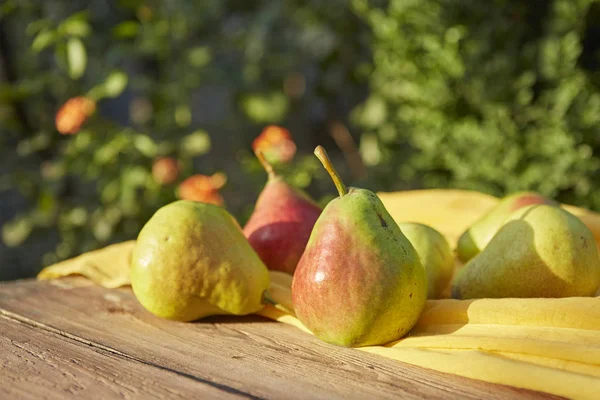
column 474, row 239
column 191, row 260
column 281, row 223
column 540, row 251
column 359, row 282
column 435, row 254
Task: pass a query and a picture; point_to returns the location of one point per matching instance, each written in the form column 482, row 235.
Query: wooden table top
column 68, row 338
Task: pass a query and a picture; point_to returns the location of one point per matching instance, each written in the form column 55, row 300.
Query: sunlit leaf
column 74, row 27
column 78, row 216
column 42, row 40
column 16, row 231
column 373, row 112
column 145, row 145
column 196, row 143
column 199, row 56
column 102, row 230
column 266, row 108
column 369, row 149
column 115, row 84
column 77, row 58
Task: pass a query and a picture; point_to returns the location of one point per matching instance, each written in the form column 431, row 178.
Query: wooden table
column 67, row 338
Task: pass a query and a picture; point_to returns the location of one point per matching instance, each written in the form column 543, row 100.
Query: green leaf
column 42, row 40
column 8, row 7
column 77, row 216
column 374, row 112
column 145, row 145
column 74, row 27
column 16, row 231
column 268, row 108
column 369, row 149
column 199, row 56
column 126, row 29
column 110, row 192
column 37, row 26
column 115, row 84
column 183, row 115
column 195, row 143
column 77, row 58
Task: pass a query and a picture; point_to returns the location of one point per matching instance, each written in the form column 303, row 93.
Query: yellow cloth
column 107, row 267
column 549, row 345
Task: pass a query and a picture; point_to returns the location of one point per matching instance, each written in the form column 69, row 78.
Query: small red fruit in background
column 276, row 143
column 165, row 170
column 71, row 116
column 203, row 188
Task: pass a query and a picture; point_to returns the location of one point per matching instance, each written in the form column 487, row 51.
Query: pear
column 281, row 223
column 191, row 260
column 435, row 254
column 359, row 282
column 474, row 239
column 540, row 251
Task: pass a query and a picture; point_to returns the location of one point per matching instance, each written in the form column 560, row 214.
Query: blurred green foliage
column 495, row 96
column 194, row 80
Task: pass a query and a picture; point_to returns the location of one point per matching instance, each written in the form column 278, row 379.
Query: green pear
column 359, row 282
column 191, row 260
column 540, row 251
column 476, row 237
column 435, row 254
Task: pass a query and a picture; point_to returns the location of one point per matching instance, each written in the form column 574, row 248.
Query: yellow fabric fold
column 548, row 345
column 571, row 312
column 452, row 211
column 107, row 267
column 495, row 368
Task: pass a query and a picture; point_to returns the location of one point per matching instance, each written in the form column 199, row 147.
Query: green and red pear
column 360, row 282
column 281, row 223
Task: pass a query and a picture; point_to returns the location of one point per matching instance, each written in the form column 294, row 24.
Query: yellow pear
column 478, row 235
column 540, row 251
column 191, row 260
column 435, row 254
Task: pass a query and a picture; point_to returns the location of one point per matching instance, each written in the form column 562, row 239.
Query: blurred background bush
column 111, row 108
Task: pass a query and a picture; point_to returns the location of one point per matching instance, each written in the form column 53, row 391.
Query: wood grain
column 38, row 364
column 247, row 356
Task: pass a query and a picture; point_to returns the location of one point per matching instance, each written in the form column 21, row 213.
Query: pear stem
column 267, row 299
column 321, row 154
column 266, row 164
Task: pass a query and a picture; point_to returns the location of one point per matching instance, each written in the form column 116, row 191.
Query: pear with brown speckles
column 191, row 260
column 359, row 282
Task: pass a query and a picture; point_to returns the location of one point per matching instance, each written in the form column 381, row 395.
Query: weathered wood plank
column 38, row 364
column 250, row 354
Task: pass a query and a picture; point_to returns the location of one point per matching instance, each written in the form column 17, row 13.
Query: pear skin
column 359, row 282
column 540, row 251
column 474, row 239
column 281, row 223
column 191, row 260
column 435, row 254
